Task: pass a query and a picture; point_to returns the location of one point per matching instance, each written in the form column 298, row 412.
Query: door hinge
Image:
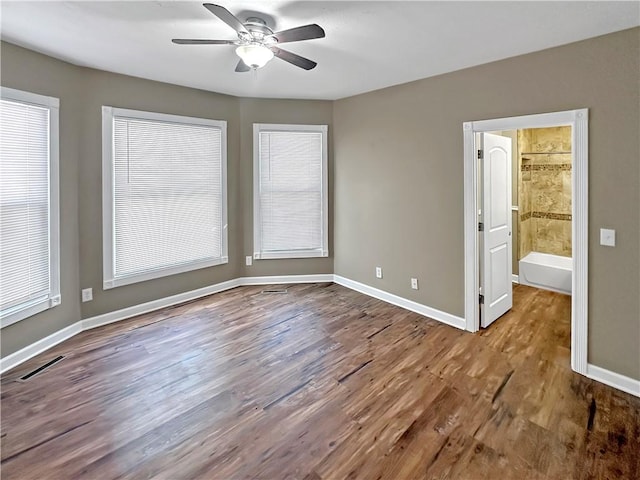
column 481, row 299
column 480, row 227
column 480, row 155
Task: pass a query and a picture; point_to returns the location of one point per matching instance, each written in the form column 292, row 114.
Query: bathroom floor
column 318, row 383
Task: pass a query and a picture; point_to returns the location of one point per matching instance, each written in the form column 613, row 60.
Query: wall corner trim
column 613, row 379
column 430, row 312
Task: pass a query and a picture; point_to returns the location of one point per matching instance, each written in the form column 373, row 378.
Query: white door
column 496, row 236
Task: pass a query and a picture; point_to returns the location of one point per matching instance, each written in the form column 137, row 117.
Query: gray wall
column 399, row 178
column 279, row 111
column 103, row 88
column 36, row 73
column 82, row 93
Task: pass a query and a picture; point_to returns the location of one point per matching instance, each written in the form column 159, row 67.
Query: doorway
column 578, row 121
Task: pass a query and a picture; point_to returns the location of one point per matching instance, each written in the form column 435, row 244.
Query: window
column 164, row 195
column 290, row 191
column 29, row 225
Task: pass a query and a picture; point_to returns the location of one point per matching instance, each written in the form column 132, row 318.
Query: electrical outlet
column 87, row 294
column 607, row 237
column 248, row 260
column 378, row 272
column 414, row 283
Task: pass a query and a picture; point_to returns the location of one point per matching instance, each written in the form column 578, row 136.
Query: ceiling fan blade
column 226, row 16
column 306, row 32
column 293, row 59
column 188, row 41
column 242, row 67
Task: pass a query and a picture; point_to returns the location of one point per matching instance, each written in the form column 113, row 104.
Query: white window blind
column 166, row 195
column 290, row 197
column 28, row 216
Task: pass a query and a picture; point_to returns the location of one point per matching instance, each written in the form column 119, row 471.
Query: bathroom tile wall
column 524, row 194
column 545, row 190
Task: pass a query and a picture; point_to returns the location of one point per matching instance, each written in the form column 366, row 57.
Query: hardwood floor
column 318, row 383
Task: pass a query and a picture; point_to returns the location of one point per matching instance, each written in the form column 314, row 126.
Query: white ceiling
column 368, row 44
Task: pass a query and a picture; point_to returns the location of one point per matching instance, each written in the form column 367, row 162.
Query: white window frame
column 28, row 309
column 108, row 233
column 257, row 233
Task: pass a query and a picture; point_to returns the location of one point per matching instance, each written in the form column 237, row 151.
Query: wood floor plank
column 318, row 383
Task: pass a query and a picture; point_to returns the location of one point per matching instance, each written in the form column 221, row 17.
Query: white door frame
column 579, row 121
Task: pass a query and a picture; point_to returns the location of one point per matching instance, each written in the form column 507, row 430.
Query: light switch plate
column 607, row 237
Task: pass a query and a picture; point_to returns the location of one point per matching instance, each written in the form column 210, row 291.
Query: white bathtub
column 543, row 270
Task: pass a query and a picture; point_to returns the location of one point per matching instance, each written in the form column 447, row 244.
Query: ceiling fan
column 257, row 43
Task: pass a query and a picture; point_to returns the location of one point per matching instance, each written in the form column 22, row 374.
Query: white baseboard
column 24, row 354
column 124, row 313
column 433, row 313
column 280, row 279
column 40, row 346
column 135, row 310
column 615, row 380
column 515, row 278
column 599, row 374
column 15, row 359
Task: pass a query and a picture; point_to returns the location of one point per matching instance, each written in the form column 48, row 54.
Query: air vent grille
column 41, row 368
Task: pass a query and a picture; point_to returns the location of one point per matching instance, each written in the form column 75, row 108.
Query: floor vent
column 41, row 368
column 276, row 290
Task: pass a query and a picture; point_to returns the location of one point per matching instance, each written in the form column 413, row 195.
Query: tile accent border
column 547, row 152
column 552, row 216
column 553, row 167
column 547, row 215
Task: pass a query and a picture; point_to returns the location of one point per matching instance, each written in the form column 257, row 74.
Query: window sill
column 26, row 310
column 165, row 272
column 290, row 254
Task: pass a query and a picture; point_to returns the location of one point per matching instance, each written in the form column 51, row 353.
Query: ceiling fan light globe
column 254, row 56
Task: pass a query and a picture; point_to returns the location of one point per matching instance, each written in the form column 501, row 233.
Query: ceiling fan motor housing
column 258, row 30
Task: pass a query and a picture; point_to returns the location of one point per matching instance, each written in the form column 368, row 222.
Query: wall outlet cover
column 414, row 283
column 607, row 237
column 87, row 294
column 248, row 260
column 378, row 272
